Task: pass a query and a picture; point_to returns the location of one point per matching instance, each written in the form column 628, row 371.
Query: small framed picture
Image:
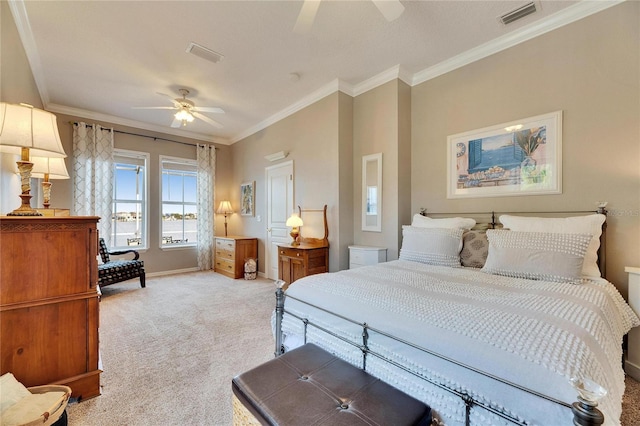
column 247, row 198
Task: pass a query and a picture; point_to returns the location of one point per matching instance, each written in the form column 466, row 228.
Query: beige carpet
column 169, row 351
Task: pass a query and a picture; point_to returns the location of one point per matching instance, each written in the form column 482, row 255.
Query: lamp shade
column 294, row 220
column 23, row 126
column 54, row 167
column 224, row 208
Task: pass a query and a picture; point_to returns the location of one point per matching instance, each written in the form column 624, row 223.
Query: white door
column 279, row 180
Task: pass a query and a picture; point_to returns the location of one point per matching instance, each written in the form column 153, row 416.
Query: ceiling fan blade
column 176, row 123
column 207, row 120
column 155, row 107
column 390, row 9
column 306, row 16
column 214, row 110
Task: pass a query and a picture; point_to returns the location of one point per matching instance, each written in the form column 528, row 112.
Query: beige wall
column 588, row 69
column 312, row 137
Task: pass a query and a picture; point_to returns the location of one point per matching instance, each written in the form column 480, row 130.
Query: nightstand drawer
column 225, row 254
column 225, row 244
column 289, row 252
column 225, row 265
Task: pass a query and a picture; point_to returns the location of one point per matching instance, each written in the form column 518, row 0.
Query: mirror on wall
column 372, row 192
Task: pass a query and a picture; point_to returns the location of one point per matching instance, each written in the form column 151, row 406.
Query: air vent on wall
column 518, row 13
column 204, row 53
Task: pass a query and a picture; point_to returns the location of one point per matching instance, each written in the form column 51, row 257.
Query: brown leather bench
column 309, row 386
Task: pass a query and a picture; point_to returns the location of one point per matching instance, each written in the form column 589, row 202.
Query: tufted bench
column 309, row 386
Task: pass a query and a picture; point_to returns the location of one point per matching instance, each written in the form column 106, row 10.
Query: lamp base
column 25, row 209
column 294, row 235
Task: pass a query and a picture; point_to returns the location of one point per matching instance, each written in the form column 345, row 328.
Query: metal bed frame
column 585, row 412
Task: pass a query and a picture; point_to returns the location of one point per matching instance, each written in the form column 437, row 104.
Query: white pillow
column 447, row 222
column 536, row 255
column 590, row 224
column 433, row 246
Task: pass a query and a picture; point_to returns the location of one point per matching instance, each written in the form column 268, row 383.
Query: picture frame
column 247, row 198
column 522, row 157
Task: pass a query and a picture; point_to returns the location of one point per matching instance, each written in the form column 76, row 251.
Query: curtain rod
column 75, row 123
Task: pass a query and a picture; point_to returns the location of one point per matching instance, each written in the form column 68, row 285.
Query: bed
column 497, row 344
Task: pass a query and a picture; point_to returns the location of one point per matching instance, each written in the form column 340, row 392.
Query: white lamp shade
column 54, row 167
column 23, row 126
column 224, row 208
column 294, row 220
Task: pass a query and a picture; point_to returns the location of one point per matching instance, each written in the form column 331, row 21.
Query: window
column 179, row 202
column 129, row 213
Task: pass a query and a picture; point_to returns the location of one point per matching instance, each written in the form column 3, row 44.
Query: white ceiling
column 98, row 59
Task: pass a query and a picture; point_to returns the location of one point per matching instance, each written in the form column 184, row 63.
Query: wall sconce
column 295, row 222
column 28, row 131
column 225, row 209
column 48, row 168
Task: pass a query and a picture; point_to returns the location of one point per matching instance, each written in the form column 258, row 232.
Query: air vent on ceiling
column 204, row 53
column 518, row 13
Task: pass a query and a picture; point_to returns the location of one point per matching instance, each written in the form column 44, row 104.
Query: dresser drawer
column 225, row 254
column 223, row 265
column 290, row 252
column 225, row 244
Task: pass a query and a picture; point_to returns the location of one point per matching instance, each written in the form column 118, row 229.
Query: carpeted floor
column 170, row 350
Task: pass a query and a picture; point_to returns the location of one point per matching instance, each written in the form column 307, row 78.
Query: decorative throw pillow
column 434, row 246
column 536, row 255
column 589, row 224
column 447, row 222
column 475, row 248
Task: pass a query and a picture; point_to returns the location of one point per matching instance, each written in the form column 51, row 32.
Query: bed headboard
column 490, row 220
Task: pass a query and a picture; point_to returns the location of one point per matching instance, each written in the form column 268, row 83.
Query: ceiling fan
column 187, row 111
column 390, row 9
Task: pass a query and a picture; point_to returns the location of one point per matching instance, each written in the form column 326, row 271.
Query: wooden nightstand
column 366, row 255
column 231, row 253
column 632, row 364
column 295, row 262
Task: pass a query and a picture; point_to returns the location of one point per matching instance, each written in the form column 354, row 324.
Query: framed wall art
column 247, row 198
column 522, row 157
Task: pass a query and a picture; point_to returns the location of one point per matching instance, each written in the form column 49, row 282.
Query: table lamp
column 48, row 168
column 28, row 131
column 295, row 222
column 225, row 209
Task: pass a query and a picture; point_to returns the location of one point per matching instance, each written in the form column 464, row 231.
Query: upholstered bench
column 309, row 386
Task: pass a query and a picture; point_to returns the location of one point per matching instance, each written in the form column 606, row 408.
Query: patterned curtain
column 93, row 175
column 206, row 199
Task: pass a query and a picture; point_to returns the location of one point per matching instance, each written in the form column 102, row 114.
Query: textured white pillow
column 434, row 246
column 590, row 224
column 536, row 255
column 446, row 222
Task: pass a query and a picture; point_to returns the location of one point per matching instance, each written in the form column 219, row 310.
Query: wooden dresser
column 231, row 253
column 295, row 262
column 49, row 302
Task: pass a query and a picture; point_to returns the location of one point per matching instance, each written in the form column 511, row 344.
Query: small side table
column 366, row 255
column 632, row 363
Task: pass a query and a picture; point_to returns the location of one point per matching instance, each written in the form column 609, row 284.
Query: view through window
column 129, row 214
column 179, row 201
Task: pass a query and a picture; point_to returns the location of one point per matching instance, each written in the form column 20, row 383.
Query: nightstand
column 231, row 253
column 366, row 255
column 632, row 364
column 295, row 262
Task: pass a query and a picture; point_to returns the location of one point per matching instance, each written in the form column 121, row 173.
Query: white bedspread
column 534, row 333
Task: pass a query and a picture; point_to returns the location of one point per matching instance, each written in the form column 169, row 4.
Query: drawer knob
column 281, row 251
column 298, row 254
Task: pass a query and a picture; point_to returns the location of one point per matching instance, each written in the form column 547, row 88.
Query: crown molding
column 112, row 119
column 394, row 73
column 559, row 19
column 20, row 17
column 336, row 85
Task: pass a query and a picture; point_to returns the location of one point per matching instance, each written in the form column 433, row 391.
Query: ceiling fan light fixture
column 184, row 116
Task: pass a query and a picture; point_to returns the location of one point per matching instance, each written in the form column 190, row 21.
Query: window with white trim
column 179, row 202
column 129, row 214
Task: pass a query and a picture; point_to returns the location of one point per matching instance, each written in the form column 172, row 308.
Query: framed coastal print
column 522, row 157
column 247, row 198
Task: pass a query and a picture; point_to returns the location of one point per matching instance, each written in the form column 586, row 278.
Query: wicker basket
column 56, row 410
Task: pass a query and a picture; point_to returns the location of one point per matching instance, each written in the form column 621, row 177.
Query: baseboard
column 632, row 369
column 172, row 272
